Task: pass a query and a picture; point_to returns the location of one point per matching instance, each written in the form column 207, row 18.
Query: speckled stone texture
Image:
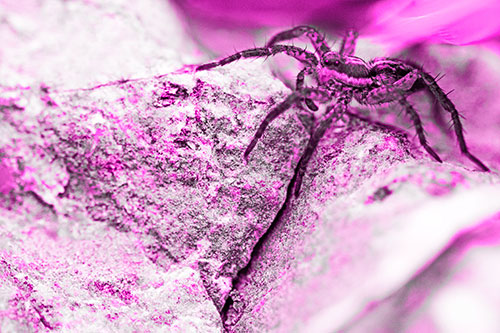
column 154, row 164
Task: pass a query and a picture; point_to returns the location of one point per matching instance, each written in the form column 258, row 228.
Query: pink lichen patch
column 441, row 182
column 45, row 96
column 165, row 318
column 394, row 144
column 109, row 289
column 438, row 188
column 6, row 179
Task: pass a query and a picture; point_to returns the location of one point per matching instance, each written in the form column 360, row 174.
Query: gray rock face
column 163, row 159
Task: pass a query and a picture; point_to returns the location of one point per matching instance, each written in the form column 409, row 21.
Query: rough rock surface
column 156, row 164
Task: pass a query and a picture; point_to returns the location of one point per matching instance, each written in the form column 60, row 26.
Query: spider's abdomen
column 388, row 71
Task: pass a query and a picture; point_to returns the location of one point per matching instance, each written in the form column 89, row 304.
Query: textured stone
column 154, row 163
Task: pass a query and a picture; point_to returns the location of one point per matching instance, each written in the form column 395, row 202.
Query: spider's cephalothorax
column 341, row 77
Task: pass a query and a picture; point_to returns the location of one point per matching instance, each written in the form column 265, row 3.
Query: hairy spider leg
column 389, row 93
column 442, row 99
column 300, row 84
column 396, row 92
column 437, row 114
column 349, row 43
column 301, row 55
column 316, row 38
column 312, row 93
column 455, row 117
column 332, row 111
column 419, row 128
column 387, row 64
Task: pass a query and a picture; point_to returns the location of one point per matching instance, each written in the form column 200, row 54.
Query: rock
column 150, row 171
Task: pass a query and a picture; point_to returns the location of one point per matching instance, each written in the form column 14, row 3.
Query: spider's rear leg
column 455, row 117
column 436, row 111
column 395, row 92
column 419, row 128
column 317, row 94
column 301, row 55
column 316, row 38
column 438, row 115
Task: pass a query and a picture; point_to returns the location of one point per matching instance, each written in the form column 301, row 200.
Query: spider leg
column 316, row 38
column 349, row 43
column 395, row 92
column 455, row 117
column 300, row 84
column 333, row 111
column 436, row 110
column 311, row 93
column 308, row 58
column 389, row 93
column 437, row 114
column 419, row 128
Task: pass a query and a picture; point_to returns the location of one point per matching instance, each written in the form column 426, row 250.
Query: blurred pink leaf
column 391, row 22
column 455, row 22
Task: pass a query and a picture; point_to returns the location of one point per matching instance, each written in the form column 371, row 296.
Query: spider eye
column 332, row 62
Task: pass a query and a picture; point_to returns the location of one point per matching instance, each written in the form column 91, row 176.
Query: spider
column 342, row 77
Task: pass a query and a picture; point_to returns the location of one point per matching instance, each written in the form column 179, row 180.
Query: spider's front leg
column 335, row 111
column 316, row 94
column 308, row 58
column 316, row 38
column 445, row 102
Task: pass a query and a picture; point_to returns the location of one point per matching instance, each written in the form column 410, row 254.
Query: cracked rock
column 155, row 164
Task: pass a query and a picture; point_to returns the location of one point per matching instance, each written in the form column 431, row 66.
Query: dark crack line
column 237, row 280
column 42, row 202
column 257, row 248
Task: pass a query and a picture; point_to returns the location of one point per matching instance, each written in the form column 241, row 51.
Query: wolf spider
column 341, row 77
